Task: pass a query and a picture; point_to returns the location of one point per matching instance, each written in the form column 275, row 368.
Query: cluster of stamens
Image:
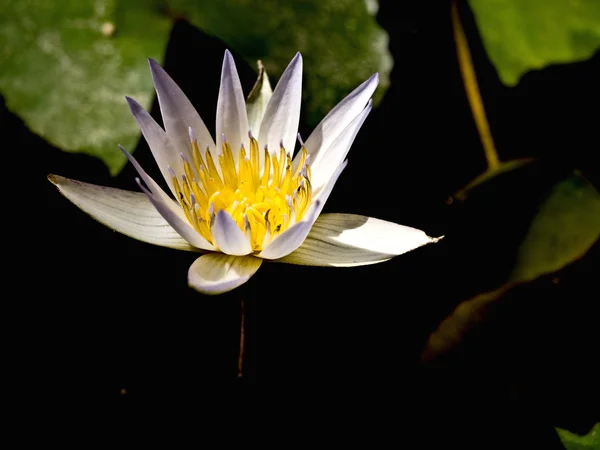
column 263, row 198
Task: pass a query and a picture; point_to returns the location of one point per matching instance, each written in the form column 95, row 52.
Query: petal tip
column 297, row 59
column 156, row 70
column 55, row 179
column 133, row 105
column 228, row 60
column 437, row 239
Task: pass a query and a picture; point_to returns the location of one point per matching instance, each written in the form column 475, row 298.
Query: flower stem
column 467, row 71
column 242, row 339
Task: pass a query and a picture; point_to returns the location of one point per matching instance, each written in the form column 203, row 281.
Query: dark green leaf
column 565, row 227
column 340, row 41
column 573, row 441
column 67, row 65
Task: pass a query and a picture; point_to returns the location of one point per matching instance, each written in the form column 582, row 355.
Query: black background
column 99, row 320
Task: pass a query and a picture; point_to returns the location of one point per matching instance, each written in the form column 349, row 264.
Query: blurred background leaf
column 524, row 35
column 340, row 40
column 566, row 225
column 562, row 228
column 67, row 64
column 573, row 441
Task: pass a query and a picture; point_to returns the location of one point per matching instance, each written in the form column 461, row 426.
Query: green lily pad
column 524, row 35
column 573, row 441
column 565, row 227
column 340, row 41
column 67, row 64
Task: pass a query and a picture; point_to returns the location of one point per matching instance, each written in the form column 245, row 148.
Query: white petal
column 178, row 113
column 176, row 218
column 130, row 213
column 293, row 237
column 152, row 185
column 167, row 207
column 345, row 240
column 330, row 159
column 217, row 273
column 339, row 118
column 227, row 236
column 162, row 148
column 231, row 108
column 258, row 99
column 290, row 239
column 323, row 194
column 282, row 116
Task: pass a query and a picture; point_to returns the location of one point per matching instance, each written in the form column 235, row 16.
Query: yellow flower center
column 263, row 201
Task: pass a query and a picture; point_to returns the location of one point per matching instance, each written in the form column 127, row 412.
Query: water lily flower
column 245, row 199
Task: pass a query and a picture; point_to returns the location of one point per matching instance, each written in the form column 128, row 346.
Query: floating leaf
column 67, row 64
column 340, row 40
column 573, row 441
column 523, row 35
column 564, row 228
column 453, row 328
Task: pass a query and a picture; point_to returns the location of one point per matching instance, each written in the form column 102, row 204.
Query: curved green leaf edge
column 67, row 65
column 520, row 36
column 566, row 226
column 572, row 441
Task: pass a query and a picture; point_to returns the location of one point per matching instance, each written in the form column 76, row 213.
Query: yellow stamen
column 264, row 199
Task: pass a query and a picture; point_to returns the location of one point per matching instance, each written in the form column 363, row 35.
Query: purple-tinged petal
column 228, row 237
column 178, row 113
column 339, row 118
column 329, row 160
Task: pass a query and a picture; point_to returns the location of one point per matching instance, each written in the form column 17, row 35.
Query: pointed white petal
column 293, row 237
column 258, row 99
column 232, row 120
column 152, row 185
column 330, row 159
column 339, row 118
column 345, row 240
column 167, row 207
column 130, row 213
column 228, row 237
column 163, row 150
column 178, row 113
column 176, row 218
column 217, row 273
column 282, row 116
column 323, row 194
